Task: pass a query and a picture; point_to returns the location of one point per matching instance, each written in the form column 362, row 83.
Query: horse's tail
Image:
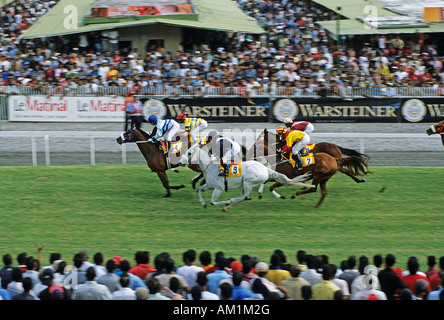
column 351, row 152
column 357, row 166
column 298, row 181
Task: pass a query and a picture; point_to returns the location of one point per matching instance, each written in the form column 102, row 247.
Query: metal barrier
column 187, row 91
column 88, row 139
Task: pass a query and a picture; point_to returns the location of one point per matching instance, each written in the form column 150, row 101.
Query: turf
column 119, row 210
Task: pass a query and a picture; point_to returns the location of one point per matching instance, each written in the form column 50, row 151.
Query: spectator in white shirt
column 189, row 271
column 125, row 292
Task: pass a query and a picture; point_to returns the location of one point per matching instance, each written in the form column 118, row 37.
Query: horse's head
column 132, row 135
column 436, row 128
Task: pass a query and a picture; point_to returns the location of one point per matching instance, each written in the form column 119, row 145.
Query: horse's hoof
column 224, row 210
column 293, row 196
column 182, row 186
column 167, row 196
column 282, row 197
column 204, row 205
column 260, row 196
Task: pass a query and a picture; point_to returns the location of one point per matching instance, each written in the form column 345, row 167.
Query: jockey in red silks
column 304, row 126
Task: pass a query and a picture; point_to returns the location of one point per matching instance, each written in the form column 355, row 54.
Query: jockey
column 166, row 129
column 225, row 147
column 304, row 126
column 193, row 126
column 295, row 140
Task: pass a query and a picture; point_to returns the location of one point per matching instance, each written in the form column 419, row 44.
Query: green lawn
column 119, row 210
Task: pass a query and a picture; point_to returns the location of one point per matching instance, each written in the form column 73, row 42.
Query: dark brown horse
column 270, row 141
column 437, row 129
column 323, row 168
column 155, row 157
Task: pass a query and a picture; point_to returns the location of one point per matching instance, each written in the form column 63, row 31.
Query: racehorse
column 437, row 129
column 267, row 139
column 323, row 168
column 250, row 175
column 154, row 156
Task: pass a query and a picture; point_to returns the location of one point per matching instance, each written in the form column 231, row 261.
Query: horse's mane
column 146, row 135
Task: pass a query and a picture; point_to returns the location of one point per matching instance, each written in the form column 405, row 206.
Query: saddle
column 307, row 149
column 307, row 160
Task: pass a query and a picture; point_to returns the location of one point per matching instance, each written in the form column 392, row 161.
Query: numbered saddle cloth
column 234, row 169
column 175, row 147
column 306, row 160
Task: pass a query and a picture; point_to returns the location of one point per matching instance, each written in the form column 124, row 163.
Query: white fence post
column 92, row 151
column 48, row 162
column 34, row 151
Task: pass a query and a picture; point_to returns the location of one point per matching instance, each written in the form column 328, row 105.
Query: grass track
column 120, row 209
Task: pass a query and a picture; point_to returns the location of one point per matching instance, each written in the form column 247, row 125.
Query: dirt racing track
column 388, row 144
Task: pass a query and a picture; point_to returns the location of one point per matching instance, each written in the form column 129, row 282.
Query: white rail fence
column 68, row 141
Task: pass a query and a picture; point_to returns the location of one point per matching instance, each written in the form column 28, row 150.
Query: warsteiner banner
column 337, row 110
column 216, row 110
column 422, row 109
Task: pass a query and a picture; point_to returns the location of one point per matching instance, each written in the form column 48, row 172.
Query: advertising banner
column 422, row 110
column 337, row 110
column 213, row 109
column 66, row 109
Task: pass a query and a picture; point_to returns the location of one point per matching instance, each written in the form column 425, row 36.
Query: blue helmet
column 152, row 118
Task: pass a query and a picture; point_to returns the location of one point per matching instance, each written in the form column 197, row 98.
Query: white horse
column 252, row 172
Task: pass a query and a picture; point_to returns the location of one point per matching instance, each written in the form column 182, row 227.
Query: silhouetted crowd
column 205, row 276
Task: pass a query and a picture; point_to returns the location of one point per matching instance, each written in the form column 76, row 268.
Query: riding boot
column 299, row 161
column 224, row 171
column 168, row 147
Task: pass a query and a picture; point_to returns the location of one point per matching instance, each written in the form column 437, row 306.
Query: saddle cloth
column 306, row 160
column 175, row 146
column 234, row 169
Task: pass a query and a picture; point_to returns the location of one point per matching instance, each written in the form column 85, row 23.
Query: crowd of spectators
column 207, row 277
column 295, row 56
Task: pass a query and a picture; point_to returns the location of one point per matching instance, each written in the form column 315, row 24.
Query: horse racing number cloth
column 234, row 169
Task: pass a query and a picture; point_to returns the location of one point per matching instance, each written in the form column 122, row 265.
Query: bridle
column 128, row 136
column 440, row 129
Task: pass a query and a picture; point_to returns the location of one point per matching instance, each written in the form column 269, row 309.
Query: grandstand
column 239, row 50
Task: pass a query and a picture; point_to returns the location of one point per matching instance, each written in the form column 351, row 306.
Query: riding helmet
column 181, row 116
column 280, row 130
column 152, row 118
column 288, row 120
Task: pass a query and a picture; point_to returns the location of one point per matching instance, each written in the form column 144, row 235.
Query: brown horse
column 155, row 157
column 437, row 129
column 261, row 149
column 323, row 168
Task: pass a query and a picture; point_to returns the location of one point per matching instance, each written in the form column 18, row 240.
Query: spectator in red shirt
column 142, row 268
column 434, row 279
column 413, row 274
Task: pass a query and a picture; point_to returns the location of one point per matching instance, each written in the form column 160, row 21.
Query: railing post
column 92, row 151
column 48, row 162
column 33, row 151
column 124, row 154
column 362, row 148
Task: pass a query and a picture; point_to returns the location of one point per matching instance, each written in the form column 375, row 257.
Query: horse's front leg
column 195, row 179
column 164, row 178
column 199, row 194
column 216, row 194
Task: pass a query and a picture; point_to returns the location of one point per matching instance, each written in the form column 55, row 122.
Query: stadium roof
column 68, row 18
column 355, row 10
